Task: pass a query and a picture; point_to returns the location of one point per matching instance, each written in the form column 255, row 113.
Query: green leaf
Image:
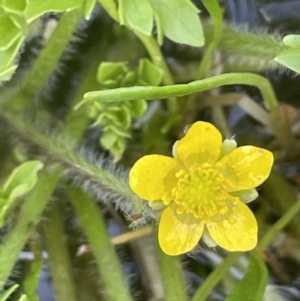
column 36, row 8
column 179, row 21
column 117, row 130
column 252, row 286
column 8, row 56
column 137, row 14
column 22, row 179
column 108, row 139
column 14, row 6
column 149, row 74
column 7, row 74
column 111, row 71
column 24, row 298
column 289, row 58
column 129, row 79
column 88, row 6
column 137, row 107
column 6, row 295
column 292, row 40
column 9, row 31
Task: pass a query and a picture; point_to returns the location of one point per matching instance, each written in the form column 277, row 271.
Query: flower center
column 201, row 191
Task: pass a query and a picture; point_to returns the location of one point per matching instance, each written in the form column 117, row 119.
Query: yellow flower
column 204, row 189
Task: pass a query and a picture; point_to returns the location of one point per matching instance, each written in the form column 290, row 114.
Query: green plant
column 127, row 87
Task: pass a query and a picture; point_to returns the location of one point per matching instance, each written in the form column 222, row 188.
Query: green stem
column 172, row 276
column 35, row 268
column 106, row 258
column 279, row 126
column 48, row 57
column 158, row 59
column 215, row 12
column 153, row 92
column 214, row 277
column 279, row 225
column 59, row 258
column 33, row 207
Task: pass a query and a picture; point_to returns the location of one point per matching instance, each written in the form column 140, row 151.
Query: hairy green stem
column 35, row 268
column 33, row 207
column 59, row 258
column 61, row 149
column 48, row 58
column 106, row 258
column 246, row 43
column 172, row 274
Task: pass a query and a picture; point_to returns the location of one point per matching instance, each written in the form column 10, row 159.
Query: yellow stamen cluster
column 200, row 191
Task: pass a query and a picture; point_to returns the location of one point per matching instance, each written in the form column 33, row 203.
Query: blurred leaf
column 289, row 58
column 111, row 71
column 253, row 285
column 117, row 130
column 88, row 6
column 7, row 74
column 7, row 56
column 9, row 31
column 22, row 179
column 129, row 79
column 24, row 298
column 149, row 74
column 36, row 8
column 15, row 6
column 137, row 14
column 6, row 295
column 137, row 107
column 292, row 40
column 108, row 139
column 179, row 21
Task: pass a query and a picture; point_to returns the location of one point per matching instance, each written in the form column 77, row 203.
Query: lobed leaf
column 22, row 179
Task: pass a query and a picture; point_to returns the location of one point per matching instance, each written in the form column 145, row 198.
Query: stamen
column 201, row 191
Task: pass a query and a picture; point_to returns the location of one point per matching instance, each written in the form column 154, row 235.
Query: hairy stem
column 106, row 258
column 59, row 258
column 61, row 150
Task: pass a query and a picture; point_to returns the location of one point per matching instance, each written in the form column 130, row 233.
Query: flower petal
column 201, row 144
column 175, row 236
column 246, row 167
column 153, row 176
column 238, row 232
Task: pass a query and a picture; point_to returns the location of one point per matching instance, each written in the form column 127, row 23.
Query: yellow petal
column 153, row 176
column 201, row 144
column 238, row 232
column 175, row 236
column 246, row 167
